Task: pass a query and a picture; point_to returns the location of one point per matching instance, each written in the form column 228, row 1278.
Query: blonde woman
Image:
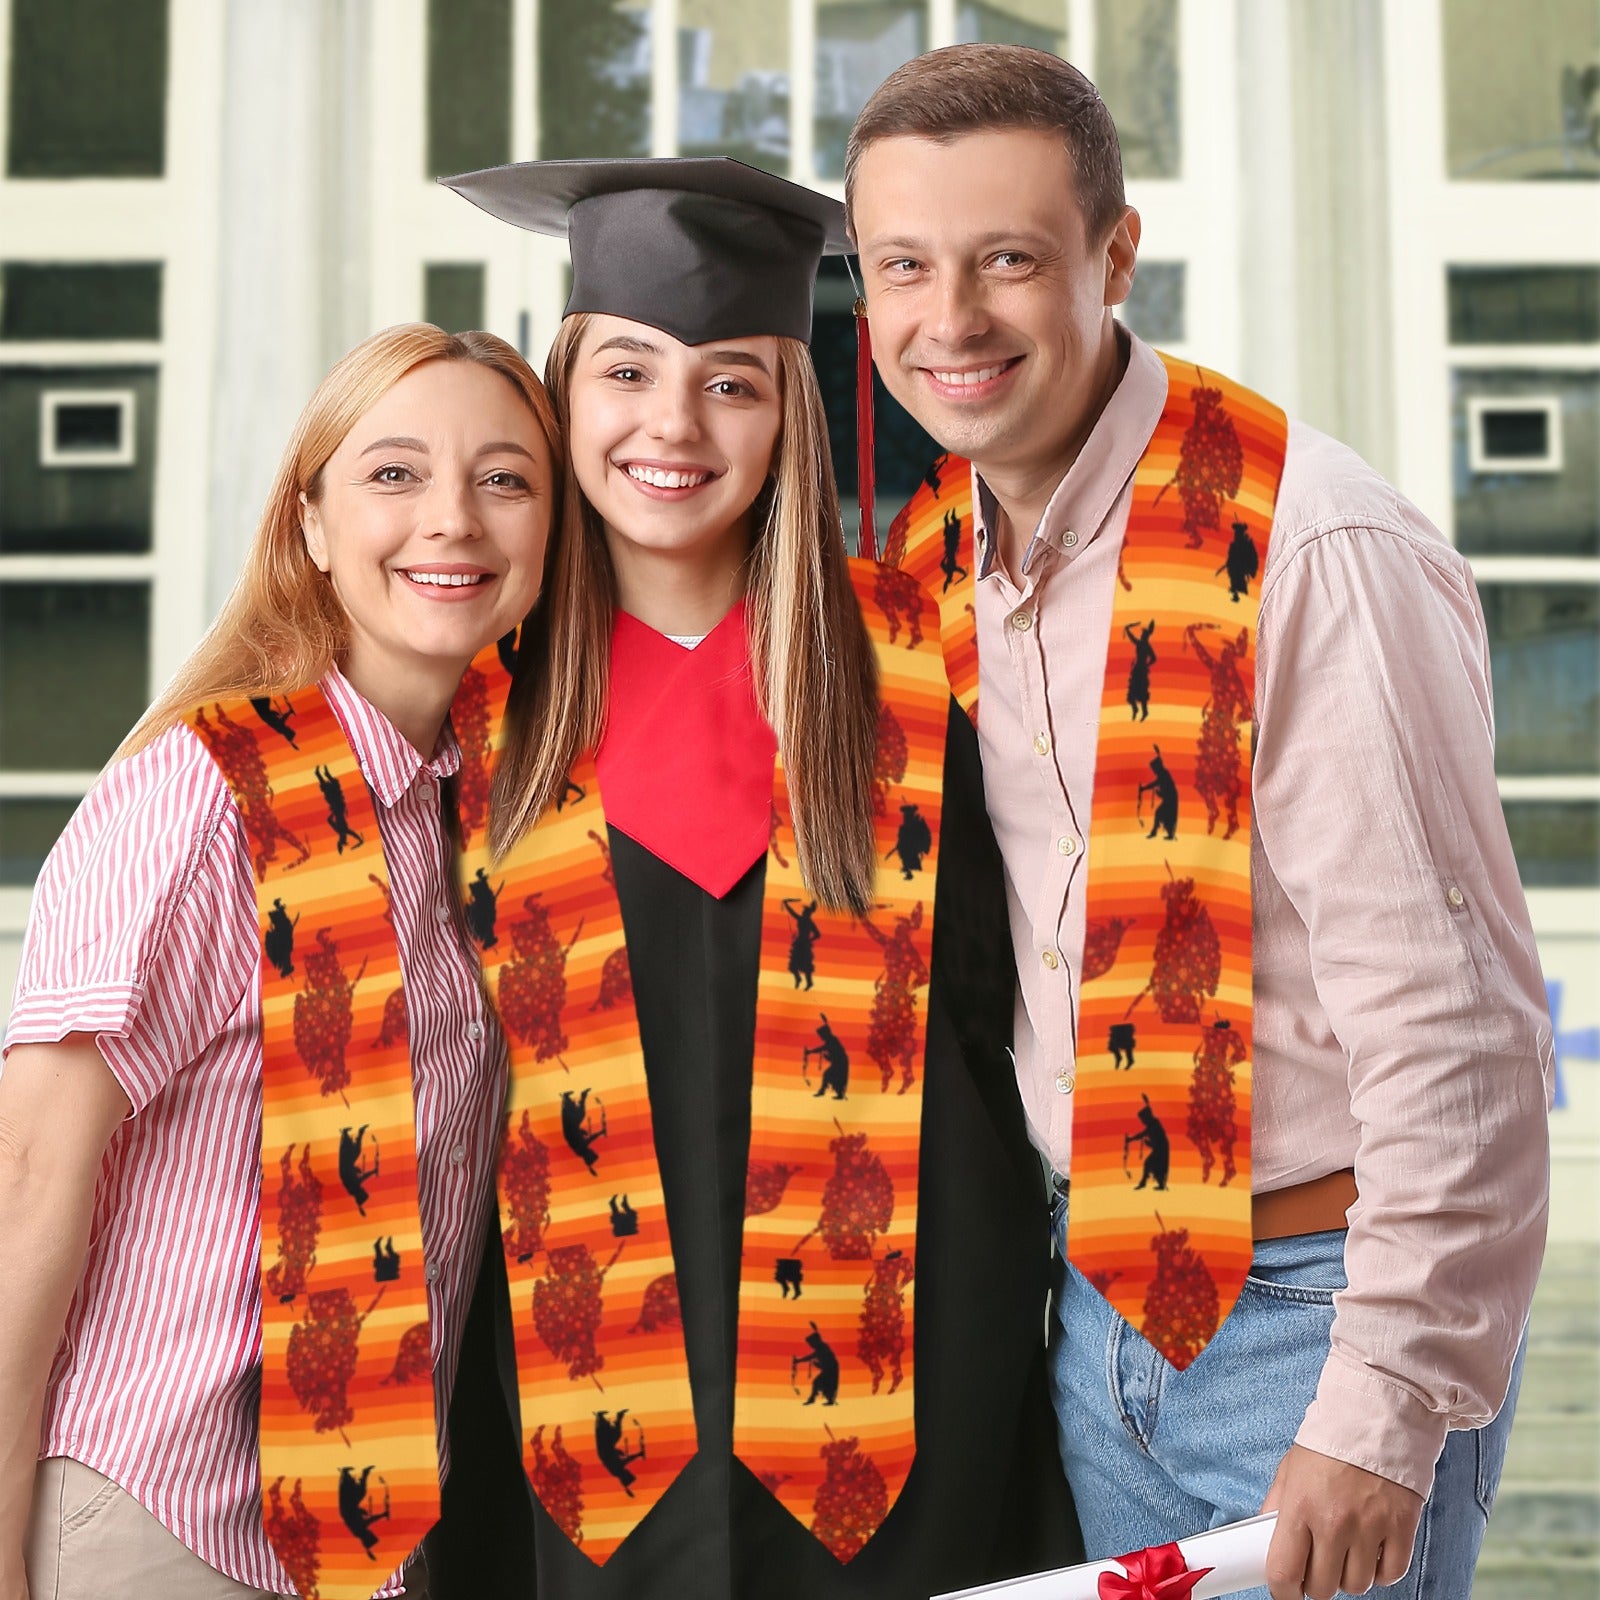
column 803, row 1358
column 144, row 1449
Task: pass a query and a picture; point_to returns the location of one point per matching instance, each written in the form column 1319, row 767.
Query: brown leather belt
column 1313, row 1207
column 1317, row 1206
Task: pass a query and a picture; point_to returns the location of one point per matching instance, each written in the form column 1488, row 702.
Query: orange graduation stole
column 823, row 1407
column 349, row 1462
column 1160, row 1215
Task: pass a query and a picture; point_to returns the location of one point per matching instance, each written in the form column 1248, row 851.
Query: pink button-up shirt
column 144, row 934
column 1400, row 1018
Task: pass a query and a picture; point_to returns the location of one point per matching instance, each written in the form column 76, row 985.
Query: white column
column 663, row 77
column 186, row 424
column 291, row 263
column 1340, row 218
column 802, row 91
column 1207, row 197
column 524, row 81
column 1269, row 358
column 346, row 190
column 1080, row 36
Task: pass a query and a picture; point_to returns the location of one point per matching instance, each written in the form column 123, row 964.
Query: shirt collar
column 388, row 760
column 1083, row 499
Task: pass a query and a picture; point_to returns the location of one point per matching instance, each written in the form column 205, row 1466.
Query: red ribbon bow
column 1158, row 1573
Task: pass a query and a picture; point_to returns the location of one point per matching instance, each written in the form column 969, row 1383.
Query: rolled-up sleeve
column 1377, row 808
column 143, row 926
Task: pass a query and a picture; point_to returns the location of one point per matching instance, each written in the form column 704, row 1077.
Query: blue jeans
column 1153, row 1454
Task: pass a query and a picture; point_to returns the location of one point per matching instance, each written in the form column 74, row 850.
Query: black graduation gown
column 986, row 1498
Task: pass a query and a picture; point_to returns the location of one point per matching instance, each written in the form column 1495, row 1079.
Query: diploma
column 1219, row 1562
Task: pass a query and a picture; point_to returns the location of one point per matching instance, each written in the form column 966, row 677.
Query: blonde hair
column 283, row 626
column 813, row 662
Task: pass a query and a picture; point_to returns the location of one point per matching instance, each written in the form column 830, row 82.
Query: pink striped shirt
column 144, row 933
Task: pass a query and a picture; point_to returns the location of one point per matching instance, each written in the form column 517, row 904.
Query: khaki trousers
column 90, row 1540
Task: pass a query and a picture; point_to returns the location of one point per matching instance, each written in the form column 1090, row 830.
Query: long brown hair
column 815, row 672
column 283, row 626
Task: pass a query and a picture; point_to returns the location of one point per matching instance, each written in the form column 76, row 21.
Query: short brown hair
column 965, row 88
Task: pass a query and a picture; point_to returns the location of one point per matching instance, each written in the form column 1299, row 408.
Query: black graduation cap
column 702, row 248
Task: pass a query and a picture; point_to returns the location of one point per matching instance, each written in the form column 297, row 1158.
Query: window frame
column 172, row 220
column 53, row 401
column 1480, row 461
column 1437, row 223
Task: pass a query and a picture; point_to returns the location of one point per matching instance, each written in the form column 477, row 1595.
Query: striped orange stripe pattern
column 930, row 545
column 349, row 1457
column 608, row 1419
column 1160, row 1216
column 824, row 1410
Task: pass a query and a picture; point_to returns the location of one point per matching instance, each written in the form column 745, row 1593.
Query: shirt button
column 1069, row 539
column 1066, row 844
column 431, row 1272
column 1041, row 744
column 1456, row 898
column 1021, row 621
column 474, row 1030
column 1050, row 959
column 1066, row 1082
column 442, row 912
column 458, row 1154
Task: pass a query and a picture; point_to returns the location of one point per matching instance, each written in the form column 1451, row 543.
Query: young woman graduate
column 252, row 1092
column 768, row 1290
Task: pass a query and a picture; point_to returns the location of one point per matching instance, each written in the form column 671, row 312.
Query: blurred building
column 1383, row 213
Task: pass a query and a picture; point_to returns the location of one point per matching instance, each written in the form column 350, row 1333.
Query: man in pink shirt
column 1363, row 1384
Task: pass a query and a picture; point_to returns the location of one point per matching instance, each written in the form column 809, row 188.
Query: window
column 28, row 829
column 86, row 428
column 452, row 295
column 1526, row 492
column 1557, row 844
column 1544, row 645
column 1527, row 462
column 1522, row 90
column 594, row 78
column 733, row 81
column 88, row 89
column 1136, row 71
column 79, row 444
column 469, row 85
column 1514, row 435
column 859, row 43
column 74, row 672
column 1039, row 24
column 1154, row 307
column 1524, row 305
column 70, row 300
column 89, row 613
column 76, row 583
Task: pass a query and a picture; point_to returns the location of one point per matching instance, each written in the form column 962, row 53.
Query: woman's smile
column 449, row 582
column 662, row 480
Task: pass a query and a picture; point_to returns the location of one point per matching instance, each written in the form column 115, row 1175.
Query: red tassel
column 867, row 543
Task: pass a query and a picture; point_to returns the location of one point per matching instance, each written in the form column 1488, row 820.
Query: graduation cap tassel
column 867, row 542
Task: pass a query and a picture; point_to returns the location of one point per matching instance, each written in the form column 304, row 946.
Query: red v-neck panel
column 686, row 763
